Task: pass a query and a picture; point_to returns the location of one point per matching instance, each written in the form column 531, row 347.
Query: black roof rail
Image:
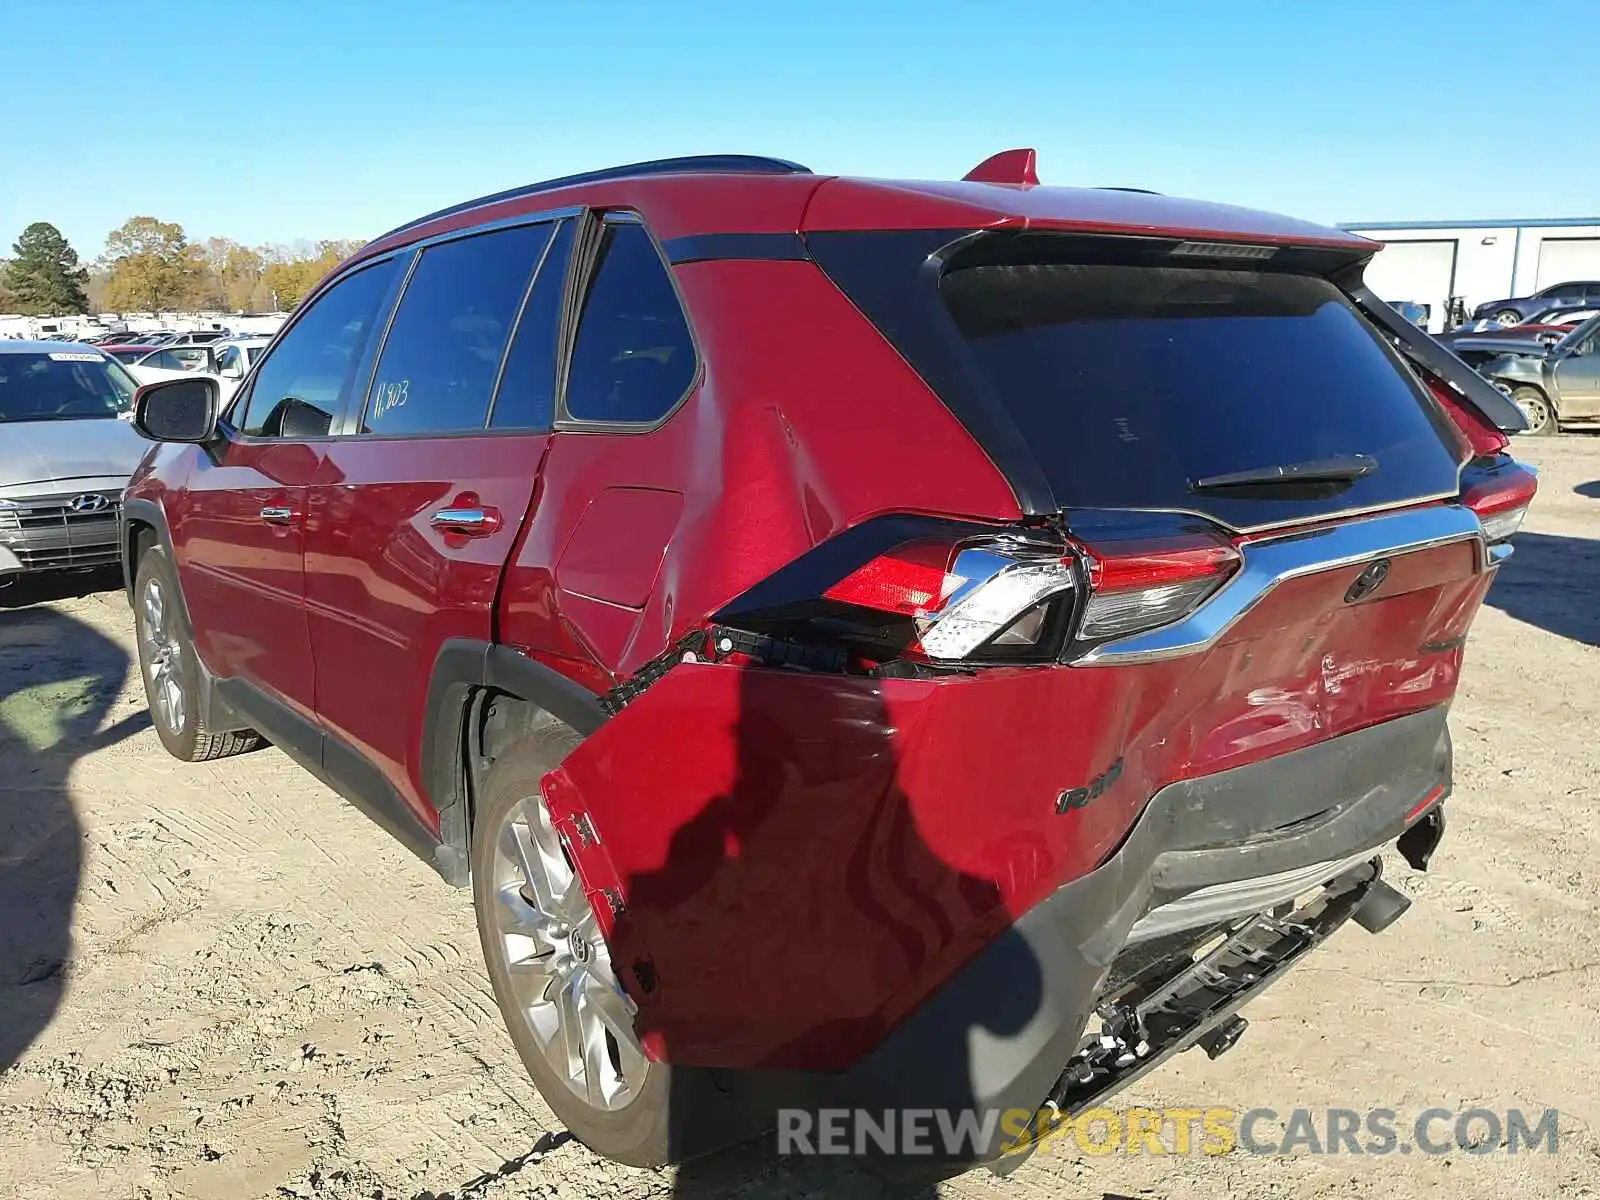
column 751, row 164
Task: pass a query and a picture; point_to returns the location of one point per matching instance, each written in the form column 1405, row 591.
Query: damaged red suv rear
column 891, row 645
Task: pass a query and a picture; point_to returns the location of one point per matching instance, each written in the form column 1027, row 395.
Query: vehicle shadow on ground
column 795, row 898
column 58, row 681
column 1543, row 577
column 1590, row 489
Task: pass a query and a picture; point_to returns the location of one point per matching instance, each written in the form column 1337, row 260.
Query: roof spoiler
column 1420, row 346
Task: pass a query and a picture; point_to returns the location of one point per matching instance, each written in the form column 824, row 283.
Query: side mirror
column 177, row 410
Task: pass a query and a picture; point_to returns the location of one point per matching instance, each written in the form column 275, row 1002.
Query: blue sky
column 281, row 119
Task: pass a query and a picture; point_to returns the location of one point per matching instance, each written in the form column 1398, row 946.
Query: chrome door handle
column 278, row 516
column 471, row 522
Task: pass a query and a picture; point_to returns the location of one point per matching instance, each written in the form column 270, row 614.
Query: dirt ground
column 222, row 982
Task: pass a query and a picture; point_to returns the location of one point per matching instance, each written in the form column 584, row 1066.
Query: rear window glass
column 1131, row 383
column 63, row 386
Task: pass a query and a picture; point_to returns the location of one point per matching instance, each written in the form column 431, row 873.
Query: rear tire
column 171, row 669
column 530, row 906
column 1540, row 413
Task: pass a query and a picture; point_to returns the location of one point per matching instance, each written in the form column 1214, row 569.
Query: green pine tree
column 44, row 277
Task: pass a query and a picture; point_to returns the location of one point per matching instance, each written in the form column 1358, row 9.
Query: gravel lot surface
column 218, row 981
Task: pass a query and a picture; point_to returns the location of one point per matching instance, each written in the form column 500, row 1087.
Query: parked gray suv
column 65, row 456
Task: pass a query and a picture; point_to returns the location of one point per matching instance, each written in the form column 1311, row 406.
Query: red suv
column 892, row 645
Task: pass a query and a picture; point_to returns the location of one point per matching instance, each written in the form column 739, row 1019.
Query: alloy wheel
column 1535, row 409
column 566, row 993
column 163, row 654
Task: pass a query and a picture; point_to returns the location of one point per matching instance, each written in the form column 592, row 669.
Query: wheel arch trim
column 218, row 715
column 467, row 672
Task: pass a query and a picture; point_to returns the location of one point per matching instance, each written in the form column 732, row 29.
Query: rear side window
column 303, row 385
column 443, row 350
column 1133, row 383
column 527, row 395
column 633, row 357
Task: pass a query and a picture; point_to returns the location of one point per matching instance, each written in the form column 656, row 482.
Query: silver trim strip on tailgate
column 1272, row 561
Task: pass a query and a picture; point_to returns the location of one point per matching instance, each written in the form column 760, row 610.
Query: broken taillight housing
column 965, row 596
column 1500, row 497
column 1481, row 436
column 997, row 587
column 909, row 590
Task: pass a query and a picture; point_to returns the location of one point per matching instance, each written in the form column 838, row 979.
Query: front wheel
column 1508, row 316
column 171, row 671
column 1536, row 408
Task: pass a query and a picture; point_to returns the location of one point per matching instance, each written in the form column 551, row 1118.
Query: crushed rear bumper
column 999, row 1035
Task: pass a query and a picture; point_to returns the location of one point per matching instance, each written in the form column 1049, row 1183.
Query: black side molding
column 331, row 760
column 748, row 247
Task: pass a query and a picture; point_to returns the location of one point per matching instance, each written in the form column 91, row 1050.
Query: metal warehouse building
column 1430, row 261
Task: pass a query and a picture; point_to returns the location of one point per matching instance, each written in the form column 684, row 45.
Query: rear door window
column 527, row 394
column 633, row 358
column 1132, row 383
column 443, row 351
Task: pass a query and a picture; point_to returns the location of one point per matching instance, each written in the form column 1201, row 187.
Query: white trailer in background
column 260, row 325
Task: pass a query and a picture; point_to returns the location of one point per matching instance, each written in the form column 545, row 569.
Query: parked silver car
column 65, row 456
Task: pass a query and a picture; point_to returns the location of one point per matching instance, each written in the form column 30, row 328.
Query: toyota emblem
column 88, row 503
column 1368, row 581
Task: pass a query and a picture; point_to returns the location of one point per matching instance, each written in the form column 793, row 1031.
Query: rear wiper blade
column 1341, row 468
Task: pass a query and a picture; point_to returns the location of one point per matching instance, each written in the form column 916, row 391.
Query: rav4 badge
column 1096, row 787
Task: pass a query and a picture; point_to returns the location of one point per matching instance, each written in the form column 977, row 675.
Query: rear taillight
column 1142, row 584
column 913, row 579
column 915, row 590
column 1482, row 438
column 964, row 596
column 1001, row 599
column 1500, row 498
